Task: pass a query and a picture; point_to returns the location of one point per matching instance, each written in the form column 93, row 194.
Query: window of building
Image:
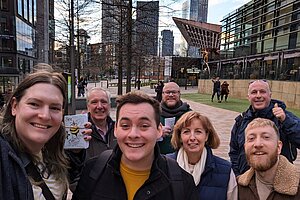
column 3, row 4
column 34, row 12
column 3, row 24
column 30, row 11
column 282, row 42
column 6, row 61
column 20, row 7
column 25, row 9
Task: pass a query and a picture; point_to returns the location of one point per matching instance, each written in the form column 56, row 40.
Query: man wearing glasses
column 172, row 109
column 262, row 106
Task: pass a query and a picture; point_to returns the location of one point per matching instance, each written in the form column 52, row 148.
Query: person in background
column 98, row 105
column 224, row 90
column 172, row 109
column 216, row 89
column 271, row 175
column 262, row 106
column 135, row 170
column 159, row 90
column 80, row 87
column 1, row 101
column 194, row 138
column 32, row 139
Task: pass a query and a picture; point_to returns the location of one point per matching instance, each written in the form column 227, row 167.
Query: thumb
column 276, row 105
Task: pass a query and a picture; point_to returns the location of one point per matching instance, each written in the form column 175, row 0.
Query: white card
column 74, row 126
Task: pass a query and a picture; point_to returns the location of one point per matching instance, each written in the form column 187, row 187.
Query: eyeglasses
column 171, row 92
column 253, row 81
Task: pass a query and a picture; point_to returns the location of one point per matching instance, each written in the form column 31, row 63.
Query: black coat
column 14, row 184
column 110, row 184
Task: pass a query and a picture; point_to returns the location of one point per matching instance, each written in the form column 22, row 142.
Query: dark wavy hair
column 138, row 97
column 53, row 151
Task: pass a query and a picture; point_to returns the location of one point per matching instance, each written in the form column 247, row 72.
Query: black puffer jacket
column 289, row 135
column 110, row 184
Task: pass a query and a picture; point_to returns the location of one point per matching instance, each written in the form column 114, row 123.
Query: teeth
column 40, row 126
column 135, row 145
column 259, row 153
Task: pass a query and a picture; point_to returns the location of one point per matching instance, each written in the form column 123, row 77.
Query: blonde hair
column 213, row 140
column 262, row 122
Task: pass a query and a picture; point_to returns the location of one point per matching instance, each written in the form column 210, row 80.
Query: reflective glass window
column 30, row 11
column 26, row 9
column 20, row 7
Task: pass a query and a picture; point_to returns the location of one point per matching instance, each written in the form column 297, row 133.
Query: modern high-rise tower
column 167, row 43
column 147, row 27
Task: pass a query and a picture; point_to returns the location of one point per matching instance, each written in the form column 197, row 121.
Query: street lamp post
column 72, row 61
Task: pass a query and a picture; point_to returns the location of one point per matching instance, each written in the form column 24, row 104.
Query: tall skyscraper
column 194, row 10
column 167, row 43
column 147, row 27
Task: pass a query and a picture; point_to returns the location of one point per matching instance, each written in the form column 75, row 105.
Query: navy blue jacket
column 14, row 184
column 289, row 135
column 215, row 177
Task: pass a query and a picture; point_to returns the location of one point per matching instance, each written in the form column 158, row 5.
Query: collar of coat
column 286, row 179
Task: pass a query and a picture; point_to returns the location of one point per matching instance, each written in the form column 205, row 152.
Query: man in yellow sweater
column 136, row 170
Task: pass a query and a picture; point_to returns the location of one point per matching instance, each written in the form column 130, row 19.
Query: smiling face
column 38, row 115
column 171, row 94
column 193, row 138
column 98, row 105
column 136, row 132
column 262, row 147
column 259, row 95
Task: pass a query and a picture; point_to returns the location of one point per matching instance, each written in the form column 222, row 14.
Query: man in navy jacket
column 259, row 96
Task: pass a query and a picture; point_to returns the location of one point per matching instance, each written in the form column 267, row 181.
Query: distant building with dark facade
column 23, row 39
column 167, row 47
column 147, row 27
column 261, row 39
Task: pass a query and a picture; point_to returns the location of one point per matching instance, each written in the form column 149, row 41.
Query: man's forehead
column 259, row 85
column 171, row 86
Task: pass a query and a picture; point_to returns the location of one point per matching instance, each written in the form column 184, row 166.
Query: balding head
column 171, row 94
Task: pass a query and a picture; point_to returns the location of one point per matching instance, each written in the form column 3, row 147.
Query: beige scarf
column 195, row 170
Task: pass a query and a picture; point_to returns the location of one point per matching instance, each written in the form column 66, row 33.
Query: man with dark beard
column 271, row 175
column 172, row 109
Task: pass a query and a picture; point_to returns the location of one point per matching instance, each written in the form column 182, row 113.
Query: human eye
column 56, row 108
column 144, row 126
column 198, row 132
column 250, row 138
column 33, row 104
column 104, row 102
column 124, row 126
column 185, row 132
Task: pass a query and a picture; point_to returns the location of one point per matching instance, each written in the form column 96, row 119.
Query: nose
column 258, row 143
column 258, row 94
column 99, row 105
column 192, row 135
column 44, row 113
column 133, row 132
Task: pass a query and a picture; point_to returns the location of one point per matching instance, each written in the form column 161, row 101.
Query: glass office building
column 261, row 40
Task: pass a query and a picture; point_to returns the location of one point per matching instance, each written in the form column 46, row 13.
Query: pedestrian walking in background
column 194, row 138
column 159, row 90
column 262, row 106
column 216, row 89
column 32, row 160
column 135, row 170
column 271, row 175
column 80, row 87
column 224, row 90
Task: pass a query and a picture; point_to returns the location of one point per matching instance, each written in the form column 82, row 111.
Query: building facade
column 147, row 27
column 167, row 47
column 20, row 49
column 261, row 39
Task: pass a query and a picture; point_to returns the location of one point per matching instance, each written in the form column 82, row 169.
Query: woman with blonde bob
column 193, row 139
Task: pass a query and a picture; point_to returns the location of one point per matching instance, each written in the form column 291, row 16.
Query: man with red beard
column 172, row 109
column 271, row 176
column 259, row 96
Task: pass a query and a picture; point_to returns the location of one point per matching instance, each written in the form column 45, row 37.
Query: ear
column 159, row 129
column 279, row 147
column 14, row 104
column 115, row 129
